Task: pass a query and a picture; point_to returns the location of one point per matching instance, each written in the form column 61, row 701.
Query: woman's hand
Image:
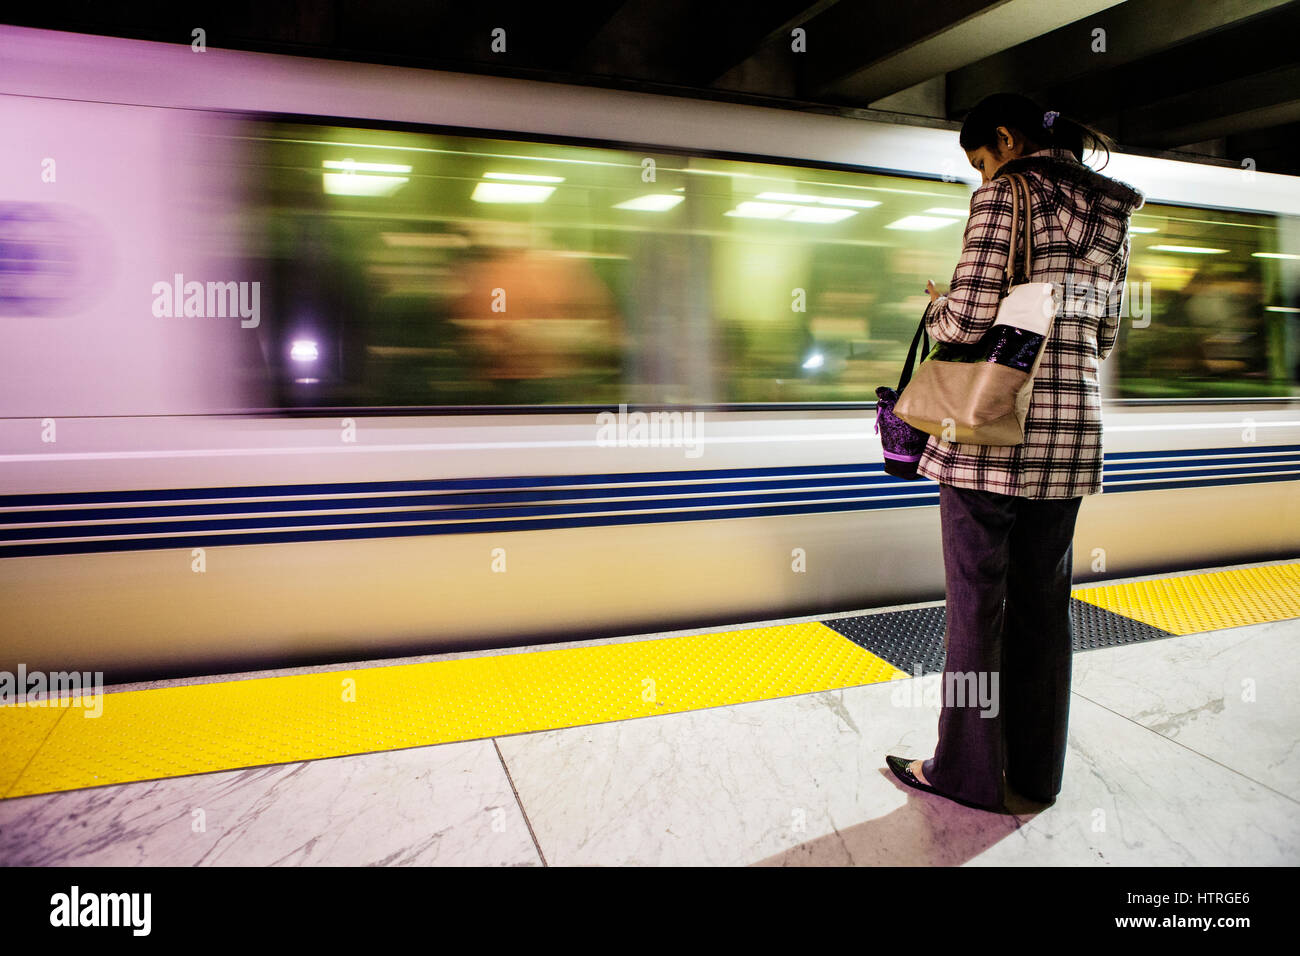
column 932, row 290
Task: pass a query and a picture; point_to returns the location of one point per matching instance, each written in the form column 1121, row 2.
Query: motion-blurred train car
column 305, row 361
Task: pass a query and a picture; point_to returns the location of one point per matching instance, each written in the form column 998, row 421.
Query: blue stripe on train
column 438, row 484
column 197, row 508
column 453, row 497
column 876, row 494
column 474, row 527
column 415, row 514
column 247, row 522
column 869, row 471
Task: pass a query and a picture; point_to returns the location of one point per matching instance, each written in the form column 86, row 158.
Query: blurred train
column 304, row 361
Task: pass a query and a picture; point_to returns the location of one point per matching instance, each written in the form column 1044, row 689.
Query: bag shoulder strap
column 1022, row 223
column 906, row 375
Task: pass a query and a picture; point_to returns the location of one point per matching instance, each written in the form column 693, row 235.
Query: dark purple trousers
column 1008, row 563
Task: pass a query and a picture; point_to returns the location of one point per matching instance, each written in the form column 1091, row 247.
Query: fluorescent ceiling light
column 1274, row 255
column 813, row 214
column 1142, row 229
column 774, row 210
column 304, row 350
column 940, row 211
column 510, row 192
column 656, row 202
column 759, row 210
column 823, row 200
column 920, row 223
column 348, row 165
column 1195, row 250
column 816, row 360
column 1280, row 308
column 523, row 178
column 350, row 184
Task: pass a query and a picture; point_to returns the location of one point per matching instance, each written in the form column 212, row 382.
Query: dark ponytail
column 1041, row 129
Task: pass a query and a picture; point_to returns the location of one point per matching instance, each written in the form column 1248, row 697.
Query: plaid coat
column 1080, row 240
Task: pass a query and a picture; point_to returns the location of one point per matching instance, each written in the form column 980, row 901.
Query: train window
column 423, row 269
column 429, row 269
column 1214, row 306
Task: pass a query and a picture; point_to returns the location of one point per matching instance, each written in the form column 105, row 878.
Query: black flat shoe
column 902, row 770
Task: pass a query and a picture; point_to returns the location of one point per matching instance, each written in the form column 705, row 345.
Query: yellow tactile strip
column 174, row 731
column 1205, row 602
column 22, row 731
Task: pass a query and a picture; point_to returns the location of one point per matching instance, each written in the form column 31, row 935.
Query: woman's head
column 1005, row 126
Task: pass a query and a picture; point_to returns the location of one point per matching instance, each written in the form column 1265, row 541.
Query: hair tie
column 1049, row 118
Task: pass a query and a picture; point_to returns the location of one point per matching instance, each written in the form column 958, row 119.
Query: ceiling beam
column 1135, row 30
column 685, row 42
column 1238, row 106
column 904, row 44
column 1272, row 149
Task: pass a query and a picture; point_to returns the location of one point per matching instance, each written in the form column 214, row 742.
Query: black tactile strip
column 1096, row 627
column 908, row 638
column 903, row 638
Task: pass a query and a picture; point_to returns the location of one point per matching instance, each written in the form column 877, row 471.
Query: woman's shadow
column 926, row 831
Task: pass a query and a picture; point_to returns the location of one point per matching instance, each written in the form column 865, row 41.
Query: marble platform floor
column 1182, row 751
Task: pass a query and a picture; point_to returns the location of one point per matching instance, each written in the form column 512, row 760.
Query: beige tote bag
column 980, row 393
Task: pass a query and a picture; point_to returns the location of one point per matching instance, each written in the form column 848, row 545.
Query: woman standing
column 1008, row 512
